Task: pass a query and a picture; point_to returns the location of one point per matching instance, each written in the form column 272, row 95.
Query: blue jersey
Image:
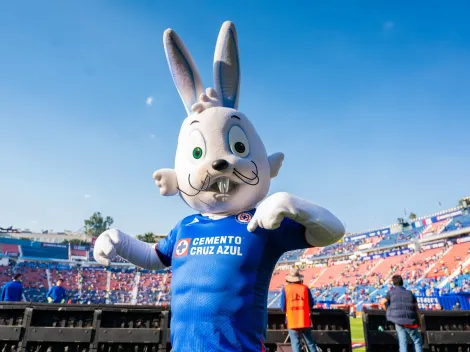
column 12, row 291
column 57, row 293
column 220, row 282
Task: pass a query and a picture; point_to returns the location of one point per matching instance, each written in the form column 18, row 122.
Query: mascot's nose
column 220, row 164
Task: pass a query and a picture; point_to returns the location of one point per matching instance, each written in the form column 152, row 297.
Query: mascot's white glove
column 114, row 242
column 322, row 227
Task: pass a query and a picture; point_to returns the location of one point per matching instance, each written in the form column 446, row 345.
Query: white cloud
column 388, row 25
column 152, row 136
column 34, row 222
column 149, row 101
column 87, row 196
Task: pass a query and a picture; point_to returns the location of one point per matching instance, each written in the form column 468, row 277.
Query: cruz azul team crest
column 244, row 218
column 182, row 247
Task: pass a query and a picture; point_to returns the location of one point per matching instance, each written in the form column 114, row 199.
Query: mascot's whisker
column 199, row 190
column 243, row 177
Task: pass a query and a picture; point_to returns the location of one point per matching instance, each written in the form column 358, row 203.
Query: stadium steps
column 457, row 250
column 135, row 289
column 426, row 272
column 374, row 267
column 49, row 281
column 316, row 279
column 332, row 275
column 274, row 300
column 108, row 281
column 456, row 273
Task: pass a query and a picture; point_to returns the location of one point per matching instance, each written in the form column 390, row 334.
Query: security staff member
column 296, row 302
column 12, row 291
column 56, row 294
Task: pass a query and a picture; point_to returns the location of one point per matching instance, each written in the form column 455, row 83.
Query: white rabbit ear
column 227, row 66
column 183, row 70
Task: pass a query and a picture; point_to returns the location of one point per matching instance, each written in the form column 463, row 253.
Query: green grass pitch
column 357, row 332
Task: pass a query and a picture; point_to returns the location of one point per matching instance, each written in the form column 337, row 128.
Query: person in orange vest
column 296, row 302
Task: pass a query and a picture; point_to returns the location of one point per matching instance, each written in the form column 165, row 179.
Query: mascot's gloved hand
column 114, row 242
column 272, row 211
column 49, row 299
column 322, row 227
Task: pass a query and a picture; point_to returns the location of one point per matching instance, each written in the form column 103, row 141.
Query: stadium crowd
column 355, row 271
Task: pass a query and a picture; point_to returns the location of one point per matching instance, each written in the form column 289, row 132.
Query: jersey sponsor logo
column 243, row 218
column 182, row 247
column 212, row 245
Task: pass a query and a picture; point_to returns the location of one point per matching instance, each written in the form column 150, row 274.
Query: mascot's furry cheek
column 166, row 180
column 275, row 163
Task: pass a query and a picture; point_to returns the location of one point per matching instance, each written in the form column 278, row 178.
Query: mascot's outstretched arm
column 321, row 226
column 114, row 242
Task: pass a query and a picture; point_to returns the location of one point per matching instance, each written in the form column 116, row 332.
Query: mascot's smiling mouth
column 223, row 186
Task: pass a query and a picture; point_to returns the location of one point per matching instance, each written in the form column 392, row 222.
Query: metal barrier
column 105, row 328
column 442, row 331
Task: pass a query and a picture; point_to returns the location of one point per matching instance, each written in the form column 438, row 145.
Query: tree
column 412, row 216
column 148, row 237
column 96, row 224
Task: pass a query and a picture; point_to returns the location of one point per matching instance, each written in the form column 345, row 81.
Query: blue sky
column 370, row 104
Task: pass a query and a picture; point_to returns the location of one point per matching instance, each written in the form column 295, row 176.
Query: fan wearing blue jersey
column 223, row 256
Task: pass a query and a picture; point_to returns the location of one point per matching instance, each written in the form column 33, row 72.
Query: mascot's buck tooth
column 223, row 257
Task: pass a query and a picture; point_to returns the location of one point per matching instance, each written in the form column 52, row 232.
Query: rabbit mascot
column 222, row 258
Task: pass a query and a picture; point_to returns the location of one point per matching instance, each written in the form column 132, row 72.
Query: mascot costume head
column 221, row 164
column 223, row 256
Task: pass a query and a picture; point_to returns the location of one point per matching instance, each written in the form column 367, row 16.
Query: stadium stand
column 356, row 270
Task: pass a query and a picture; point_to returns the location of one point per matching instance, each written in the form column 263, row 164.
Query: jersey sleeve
column 165, row 247
column 288, row 237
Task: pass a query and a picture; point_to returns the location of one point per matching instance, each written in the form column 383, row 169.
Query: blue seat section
column 291, row 256
column 333, row 294
column 15, row 241
column 458, row 222
column 404, row 236
column 45, row 252
column 35, row 294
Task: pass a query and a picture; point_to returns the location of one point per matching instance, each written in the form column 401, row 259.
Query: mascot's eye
column 196, row 146
column 238, row 142
column 239, row 147
column 197, row 153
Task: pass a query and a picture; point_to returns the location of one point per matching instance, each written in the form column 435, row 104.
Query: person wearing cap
column 296, row 302
column 56, row 294
column 12, row 291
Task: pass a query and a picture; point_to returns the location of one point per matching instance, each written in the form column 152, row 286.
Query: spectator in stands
column 403, row 311
column 12, row 291
column 56, row 294
column 296, row 301
column 456, row 306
